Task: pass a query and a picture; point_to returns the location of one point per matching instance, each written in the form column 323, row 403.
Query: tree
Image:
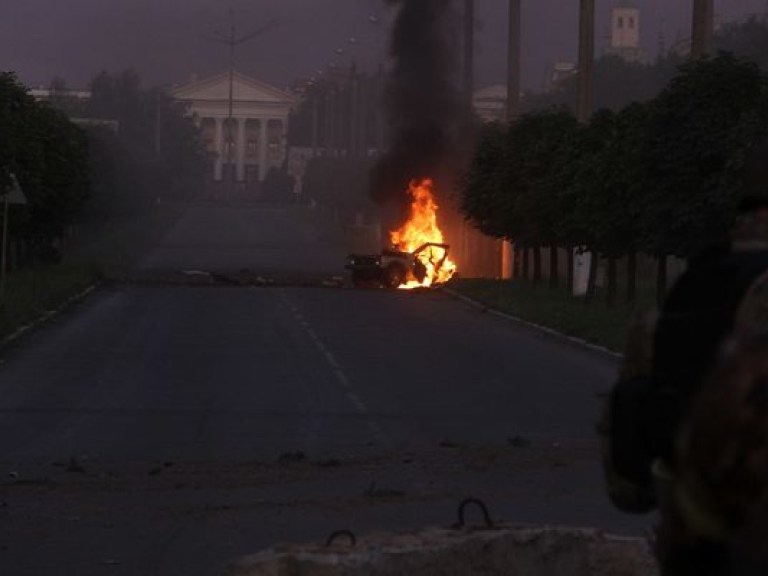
column 15, row 101
column 748, row 39
column 617, row 83
column 511, row 189
column 696, row 130
column 48, row 155
column 339, row 183
column 585, row 190
column 622, row 197
column 54, row 172
column 482, row 199
column 156, row 152
column 662, row 177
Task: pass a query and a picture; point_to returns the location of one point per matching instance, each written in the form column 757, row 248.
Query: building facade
column 244, row 123
column 490, row 103
column 625, row 34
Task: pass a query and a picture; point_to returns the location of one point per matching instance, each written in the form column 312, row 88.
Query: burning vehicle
column 396, row 268
column 418, row 256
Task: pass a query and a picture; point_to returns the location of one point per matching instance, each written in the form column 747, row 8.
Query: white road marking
column 340, row 375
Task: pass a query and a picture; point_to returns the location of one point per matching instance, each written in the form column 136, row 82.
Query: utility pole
column 233, row 40
column 330, row 115
column 586, row 58
column 513, row 61
column 315, row 116
column 354, row 112
column 363, row 104
column 588, row 262
column 468, row 254
column 381, row 134
column 513, row 109
column 469, row 58
column 703, row 28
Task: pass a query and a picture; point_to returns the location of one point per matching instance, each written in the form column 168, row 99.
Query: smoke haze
column 422, row 99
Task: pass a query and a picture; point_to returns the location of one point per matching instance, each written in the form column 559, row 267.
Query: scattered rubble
column 289, row 457
column 519, row 442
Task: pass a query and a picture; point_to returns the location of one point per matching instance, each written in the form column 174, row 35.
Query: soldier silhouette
column 666, row 445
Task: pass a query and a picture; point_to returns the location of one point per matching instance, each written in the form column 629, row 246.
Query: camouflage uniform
column 723, row 294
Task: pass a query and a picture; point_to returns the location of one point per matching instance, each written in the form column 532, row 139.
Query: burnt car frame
column 393, row 268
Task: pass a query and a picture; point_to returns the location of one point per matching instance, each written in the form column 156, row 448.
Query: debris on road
column 374, row 492
column 445, row 443
column 519, row 442
column 75, row 466
column 289, row 457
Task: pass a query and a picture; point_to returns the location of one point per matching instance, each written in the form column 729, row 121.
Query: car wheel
column 394, row 275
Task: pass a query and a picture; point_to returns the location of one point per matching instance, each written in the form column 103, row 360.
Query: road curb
column 45, row 317
column 544, row 329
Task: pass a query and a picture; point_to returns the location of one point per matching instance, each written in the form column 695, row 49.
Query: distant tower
column 625, row 33
column 625, row 28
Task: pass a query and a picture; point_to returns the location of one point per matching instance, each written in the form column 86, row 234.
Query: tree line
column 340, row 120
column 662, row 177
column 91, row 161
column 619, row 82
column 144, row 147
column 48, row 156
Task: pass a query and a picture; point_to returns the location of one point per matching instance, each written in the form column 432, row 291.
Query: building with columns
column 244, row 123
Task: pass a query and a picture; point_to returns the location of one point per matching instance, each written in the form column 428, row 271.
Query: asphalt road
column 166, row 427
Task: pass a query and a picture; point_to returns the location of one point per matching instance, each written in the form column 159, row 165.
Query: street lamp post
column 512, row 110
column 513, row 61
column 361, row 94
column 232, row 40
column 346, row 125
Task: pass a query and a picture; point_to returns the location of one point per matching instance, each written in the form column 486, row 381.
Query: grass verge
column 554, row 308
column 30, row 294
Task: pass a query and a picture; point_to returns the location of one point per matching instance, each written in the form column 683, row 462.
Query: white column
column 263, row 149
column 241, row 149
column 218, row 144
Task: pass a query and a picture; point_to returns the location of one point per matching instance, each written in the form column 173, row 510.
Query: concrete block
column 504, row 550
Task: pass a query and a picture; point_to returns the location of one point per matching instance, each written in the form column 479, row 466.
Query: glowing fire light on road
column 421, row 228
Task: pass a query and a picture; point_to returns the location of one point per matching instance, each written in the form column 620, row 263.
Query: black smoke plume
column 422, row 100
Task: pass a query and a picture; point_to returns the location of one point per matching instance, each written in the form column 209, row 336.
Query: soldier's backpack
column 667, row 359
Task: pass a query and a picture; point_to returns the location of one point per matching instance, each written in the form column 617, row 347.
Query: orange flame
column 420, row 229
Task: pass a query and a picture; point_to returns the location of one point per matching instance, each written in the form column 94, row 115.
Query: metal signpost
column 14, row 195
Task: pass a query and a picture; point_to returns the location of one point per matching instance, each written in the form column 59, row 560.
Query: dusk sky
column 165, row 40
